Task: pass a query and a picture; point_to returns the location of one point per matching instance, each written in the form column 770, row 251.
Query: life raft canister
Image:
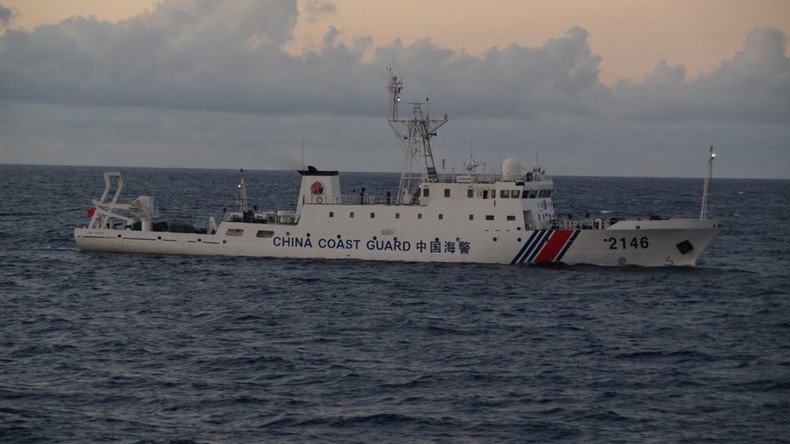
column 317, row 188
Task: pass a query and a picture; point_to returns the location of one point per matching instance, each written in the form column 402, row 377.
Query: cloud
column 226, row 57
column 317, row 9
column 754, row 86
column 5, row 16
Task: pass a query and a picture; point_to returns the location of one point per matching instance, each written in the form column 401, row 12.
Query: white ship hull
column 654, row 243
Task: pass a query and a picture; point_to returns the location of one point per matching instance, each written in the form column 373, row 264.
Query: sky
column 605, row 87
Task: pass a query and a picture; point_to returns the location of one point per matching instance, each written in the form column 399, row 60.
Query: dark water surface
column 129, row 347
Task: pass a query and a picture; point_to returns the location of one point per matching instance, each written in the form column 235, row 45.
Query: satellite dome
column 511, row 170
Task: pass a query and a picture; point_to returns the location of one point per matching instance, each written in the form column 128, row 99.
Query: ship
column 507, row 217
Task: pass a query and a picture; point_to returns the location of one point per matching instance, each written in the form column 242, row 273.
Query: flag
column 91, row 211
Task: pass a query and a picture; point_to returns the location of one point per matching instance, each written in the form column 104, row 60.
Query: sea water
column 147, row 347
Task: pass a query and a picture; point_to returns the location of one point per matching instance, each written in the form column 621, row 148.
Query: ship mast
column 415, row 134
column 241, row 193
column 706, row 186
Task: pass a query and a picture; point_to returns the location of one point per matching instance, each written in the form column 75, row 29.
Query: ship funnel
column 318, row 187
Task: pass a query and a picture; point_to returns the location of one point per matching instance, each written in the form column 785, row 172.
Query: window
column 351, row 214
column 525, row 194
column 511, row 218
column 533, row 194
column 504, row 194
column 446, row 192
column 234, row 232
column 470, row 193
column 372, row 215
column 542, row 193
column 489, row 217
column 397, row 215
column 514, row 194
column 471, row 217
column 426, row 192
column 548, row 193
column 441, row 216
column 419, row 215
column 264, row 233
column 331, row 214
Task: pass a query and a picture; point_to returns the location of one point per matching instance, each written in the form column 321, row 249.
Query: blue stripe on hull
column 524, row 248
column 539, row 243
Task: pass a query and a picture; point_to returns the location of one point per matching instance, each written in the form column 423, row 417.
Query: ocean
column 111, row 347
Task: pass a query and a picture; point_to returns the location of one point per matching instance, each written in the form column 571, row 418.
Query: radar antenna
column 415, row 134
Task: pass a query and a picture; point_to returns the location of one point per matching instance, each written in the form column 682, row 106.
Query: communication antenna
column 415, row 134
column 302, row 145
column 706, row 186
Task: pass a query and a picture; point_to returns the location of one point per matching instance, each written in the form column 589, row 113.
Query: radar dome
column 511, row 170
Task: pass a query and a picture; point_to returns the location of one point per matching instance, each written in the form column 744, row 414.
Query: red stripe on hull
column 553, row 246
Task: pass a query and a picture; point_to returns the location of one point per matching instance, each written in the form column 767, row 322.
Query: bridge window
column 264, row 233
column 514, row 194
column 533, row 194
column 470, row 193
column 504, row 194
column 525, row 194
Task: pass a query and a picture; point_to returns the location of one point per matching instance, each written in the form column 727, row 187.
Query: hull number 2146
column 624, row 243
